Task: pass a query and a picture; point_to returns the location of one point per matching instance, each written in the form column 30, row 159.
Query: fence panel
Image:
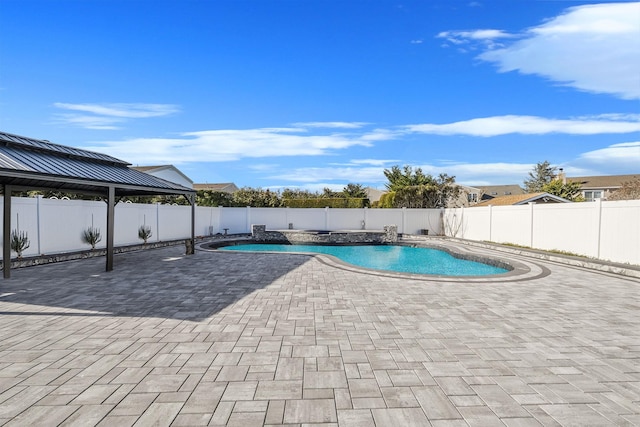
column 471, row 223
column 234, row 219
column 207, row 220
column 378, row 218
column 570, row 227
column 24, row 217
column 417, row 220
column 620, row 231
column 511, row 224
column 346, row 219
column 273, row 218
column 62, row 223
column 128, row 219
column 307, row 218
column 174, row 222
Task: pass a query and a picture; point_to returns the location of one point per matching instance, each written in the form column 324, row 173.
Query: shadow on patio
column 152, row 283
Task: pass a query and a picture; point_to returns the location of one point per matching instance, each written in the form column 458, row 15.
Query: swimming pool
column 403, row 259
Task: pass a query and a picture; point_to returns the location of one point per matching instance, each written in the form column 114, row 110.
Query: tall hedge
column 323, row 202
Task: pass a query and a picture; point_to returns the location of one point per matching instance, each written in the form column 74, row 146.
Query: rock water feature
column 389, row 234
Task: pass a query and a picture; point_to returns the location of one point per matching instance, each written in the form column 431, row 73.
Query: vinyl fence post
column 6, row 231
column 249, row 219
column 38, row 228
column 158, row 221
column 599, row 236
column 531, row 230
column 490, row 222
column 365, row 217
column 404, row 218
column 326, row 217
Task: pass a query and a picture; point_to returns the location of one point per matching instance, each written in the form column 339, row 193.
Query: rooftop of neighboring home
column 374, row 194
column 522, row 199
column 226, row 187
column 605, row 181
column 166, row 172
column 499, row 190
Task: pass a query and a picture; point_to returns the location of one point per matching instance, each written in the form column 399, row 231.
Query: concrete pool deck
column 243, row 339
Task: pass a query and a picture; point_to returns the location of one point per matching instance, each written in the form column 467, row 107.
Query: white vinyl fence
column 605, row 230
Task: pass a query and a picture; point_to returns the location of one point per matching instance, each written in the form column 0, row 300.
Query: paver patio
column 270, row 339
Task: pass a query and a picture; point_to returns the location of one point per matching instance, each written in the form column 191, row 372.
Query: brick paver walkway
column 243, row 339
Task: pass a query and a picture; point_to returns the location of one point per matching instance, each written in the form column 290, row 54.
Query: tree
column 355, row 191
column 415, row 189
column 296, row 193
column 630, row 190
column 569, row 190
column 541, row 175
column 405, row 177
column 213, row 198
column 256, row 197
column 328, row 193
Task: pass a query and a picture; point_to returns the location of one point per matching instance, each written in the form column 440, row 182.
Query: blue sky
column 321, row 93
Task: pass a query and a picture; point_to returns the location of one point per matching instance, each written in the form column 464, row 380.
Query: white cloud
column 340, row 125
column 508, row 173
column 375, row 162
column 626, row 154
column 131, row 111
column 463, row 37
column 228, row 145
column 531, row 125
column 89, row 122
column 106, row 116
column 593, row 48
column 324, row 174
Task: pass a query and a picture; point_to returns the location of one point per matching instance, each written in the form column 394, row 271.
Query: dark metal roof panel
column 44, row 164
column 41, row 145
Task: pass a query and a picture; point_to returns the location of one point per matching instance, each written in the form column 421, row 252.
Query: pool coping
column 518, row 269
column 604, row 266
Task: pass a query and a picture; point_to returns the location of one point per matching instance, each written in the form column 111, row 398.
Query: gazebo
column 33, row 164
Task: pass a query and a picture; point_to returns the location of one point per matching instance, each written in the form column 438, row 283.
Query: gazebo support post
column 111, row 210
column 192, row 200
column 6, row 232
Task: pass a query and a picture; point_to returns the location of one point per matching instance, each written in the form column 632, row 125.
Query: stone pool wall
column 388, row 235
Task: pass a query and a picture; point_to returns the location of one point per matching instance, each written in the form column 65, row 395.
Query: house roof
column 374, row 194
column 33, row 163
column 501, row 190
column 605, row 181
column 227, row 187
column 522, row 199
column 160, row 168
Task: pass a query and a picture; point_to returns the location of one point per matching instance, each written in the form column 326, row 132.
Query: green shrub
column 19, row 242
column 144, row 232
column 91, row 236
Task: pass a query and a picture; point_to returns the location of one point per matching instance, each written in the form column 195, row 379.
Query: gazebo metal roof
column 33, row 163
column 28, row 163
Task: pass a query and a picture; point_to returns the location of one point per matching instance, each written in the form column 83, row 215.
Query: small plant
column 144, row 232
column 91, row 236
column 19, row 242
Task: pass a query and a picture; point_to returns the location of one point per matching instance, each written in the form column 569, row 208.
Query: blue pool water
column 404, row 259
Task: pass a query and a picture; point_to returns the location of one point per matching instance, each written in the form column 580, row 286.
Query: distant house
column 471, row 195
column 468, row 196
column 493, row 191
column 522, row 199
column 373, row 194
column 167, row 172
column 226, row 187
column 598, row 187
